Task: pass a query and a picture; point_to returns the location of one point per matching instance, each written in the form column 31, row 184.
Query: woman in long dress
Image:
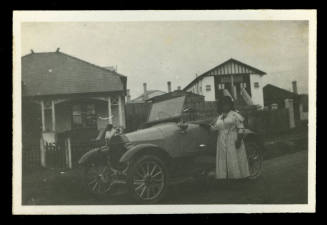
column 231, row 158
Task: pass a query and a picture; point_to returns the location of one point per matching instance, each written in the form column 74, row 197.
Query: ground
column 284, row 181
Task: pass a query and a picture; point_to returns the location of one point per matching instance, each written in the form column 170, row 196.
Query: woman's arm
column 213, row 125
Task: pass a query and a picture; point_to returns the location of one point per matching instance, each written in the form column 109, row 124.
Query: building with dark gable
column 276, row 97
column 62, row 94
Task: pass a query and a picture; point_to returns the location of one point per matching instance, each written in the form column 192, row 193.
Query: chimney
column 169, row 86
column 178, row 88
column 32, row 51
column 145, row 93
column 294, row 85
column 58, row 49
column 128, row 95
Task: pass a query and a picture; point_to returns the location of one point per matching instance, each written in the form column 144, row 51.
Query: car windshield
column 166, row 109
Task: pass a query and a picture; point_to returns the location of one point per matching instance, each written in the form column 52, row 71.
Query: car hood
column 149, row 135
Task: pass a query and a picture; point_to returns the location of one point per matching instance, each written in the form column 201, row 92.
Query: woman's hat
column 109, row 126
column 226, row 100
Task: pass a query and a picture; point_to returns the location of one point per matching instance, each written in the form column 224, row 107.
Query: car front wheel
column 147, row 179
column 98, row 179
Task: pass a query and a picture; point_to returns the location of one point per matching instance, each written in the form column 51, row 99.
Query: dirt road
column 284, row 180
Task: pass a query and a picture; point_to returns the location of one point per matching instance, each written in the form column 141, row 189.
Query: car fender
column 139, row 148
column 96, row 153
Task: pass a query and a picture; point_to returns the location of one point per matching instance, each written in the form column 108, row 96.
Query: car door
column 172, row 139
column 194, row 140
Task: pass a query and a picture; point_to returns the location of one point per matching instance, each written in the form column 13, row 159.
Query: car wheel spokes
column 148, row 180
column 98, row 179
column 255, row 161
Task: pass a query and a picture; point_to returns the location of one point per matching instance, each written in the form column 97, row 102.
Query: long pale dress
column 230, row 162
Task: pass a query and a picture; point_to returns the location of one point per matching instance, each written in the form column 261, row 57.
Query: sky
column 157, row 52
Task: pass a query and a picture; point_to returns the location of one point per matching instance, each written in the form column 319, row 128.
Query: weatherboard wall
column 256, row 89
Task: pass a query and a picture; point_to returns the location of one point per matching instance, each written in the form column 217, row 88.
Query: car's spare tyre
column 255, row 158
column 147, row 179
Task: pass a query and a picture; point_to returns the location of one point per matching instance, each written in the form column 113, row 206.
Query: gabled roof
column 229, row 67
column 54, row 73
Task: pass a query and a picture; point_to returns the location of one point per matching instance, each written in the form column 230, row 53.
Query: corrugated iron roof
column 53, row 73
column 150, row 94
column 274, row 94
column 273, row 91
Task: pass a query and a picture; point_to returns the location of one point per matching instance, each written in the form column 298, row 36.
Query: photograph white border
column 151, row 15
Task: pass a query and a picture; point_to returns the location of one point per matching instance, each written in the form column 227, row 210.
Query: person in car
column 110, row 131
column 231, row 159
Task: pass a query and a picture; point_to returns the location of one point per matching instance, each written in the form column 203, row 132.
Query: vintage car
column 167, row 150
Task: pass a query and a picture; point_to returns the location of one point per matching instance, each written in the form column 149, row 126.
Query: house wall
column 256, row 92
column 208, row 95
column 191, row 89
column 31, row 125
column 303, row 114
column 195, row 88
column 200, row 88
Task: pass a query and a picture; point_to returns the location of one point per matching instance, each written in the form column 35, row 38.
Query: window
column 114, row 100
column 274, row 106
column 83, row 115
column 77, row 116
column 208, row 87
column 256, row 84
column 221, row 86
column 90, row 117
column 243, row 85
column 167, row 109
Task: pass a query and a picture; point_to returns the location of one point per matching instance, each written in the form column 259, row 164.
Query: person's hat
column 226, row 100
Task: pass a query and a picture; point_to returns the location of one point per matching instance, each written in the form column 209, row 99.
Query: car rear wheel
column 254, row 155
column 147, row 179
